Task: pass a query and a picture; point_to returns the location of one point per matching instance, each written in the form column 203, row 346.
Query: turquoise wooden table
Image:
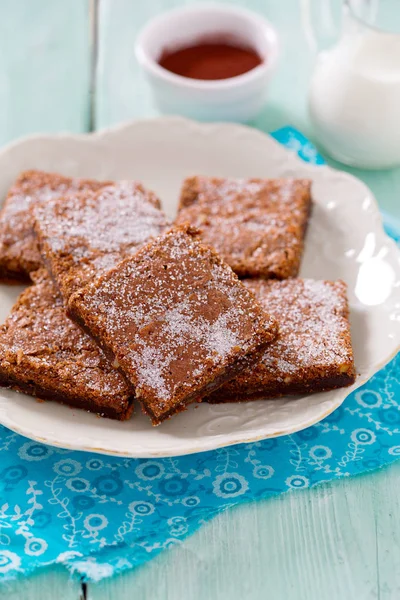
column 69, row 66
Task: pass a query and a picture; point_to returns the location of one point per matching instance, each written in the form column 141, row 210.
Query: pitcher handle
column 322, row 22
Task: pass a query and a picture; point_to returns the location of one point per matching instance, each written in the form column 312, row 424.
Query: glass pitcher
column 354, row 96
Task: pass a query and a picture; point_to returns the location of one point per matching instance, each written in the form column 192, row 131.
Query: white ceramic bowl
column 235, row 99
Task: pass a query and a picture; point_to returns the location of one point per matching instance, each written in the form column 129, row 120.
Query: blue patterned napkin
column 99, row 515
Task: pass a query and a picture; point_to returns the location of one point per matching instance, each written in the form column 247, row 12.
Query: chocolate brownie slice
column 19, row 255
column 176, row 321
column 82, row 236
column 313, row 349
column 44, row 354
column 256, row 225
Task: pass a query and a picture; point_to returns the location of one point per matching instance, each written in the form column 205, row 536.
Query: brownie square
column 176, row 321
column 313, row 350
column 256, row 225
column 19, row 254
column 45, row 354
column 82, row 236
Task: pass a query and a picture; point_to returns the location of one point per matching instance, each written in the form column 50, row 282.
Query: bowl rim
column 268, row 31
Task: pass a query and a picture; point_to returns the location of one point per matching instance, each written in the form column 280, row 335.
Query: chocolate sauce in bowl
column 210, row 60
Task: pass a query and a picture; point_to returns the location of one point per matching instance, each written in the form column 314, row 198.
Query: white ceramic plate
column 345, row 240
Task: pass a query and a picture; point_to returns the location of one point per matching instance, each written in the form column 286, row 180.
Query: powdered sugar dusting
column 18, row 247
column 150, row 366
column 256, row 225
column 96, row 230
column 40, row 344
column 43, row 193
column 117, row 215
column 219, row 339
column 227, row 189
column 174, row 316
column 313, row 326
column 36, row 186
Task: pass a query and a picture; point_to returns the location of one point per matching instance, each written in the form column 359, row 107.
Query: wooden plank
column 44, row 67
column 53, row 583
column 339, row 541
column 121, row 90
column 44, row 87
